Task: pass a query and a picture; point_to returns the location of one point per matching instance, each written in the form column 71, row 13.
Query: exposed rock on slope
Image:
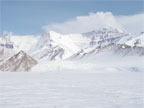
column 6, row 48
column 46, row 50
column 19, row 62
column 53, row 46
column 56, row 46
column 101, row 41
column 120, row 43
column 134, row 46
column 126, row 50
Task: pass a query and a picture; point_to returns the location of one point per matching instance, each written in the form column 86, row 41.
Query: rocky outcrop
column 18, row 63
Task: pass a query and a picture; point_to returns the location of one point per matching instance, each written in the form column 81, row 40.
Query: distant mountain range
column 56, row 46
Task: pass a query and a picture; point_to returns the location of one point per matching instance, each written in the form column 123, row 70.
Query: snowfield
column 103, row 68
column 101, row 83
column 72, row 90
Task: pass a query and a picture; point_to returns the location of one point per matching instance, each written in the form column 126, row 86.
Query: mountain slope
column 6, row 48
column 56, row 46
column 134, row 46
column 137, row 41
column 53, row 46
column 19, row 62
column 50, row 46
column 102, row 40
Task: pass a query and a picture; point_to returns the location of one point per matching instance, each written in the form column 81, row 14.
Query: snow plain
column 96, row 83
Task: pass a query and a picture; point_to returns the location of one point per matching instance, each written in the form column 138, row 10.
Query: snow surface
column 138, row 41
column 96, row 81
column 24, row 42
column 64, row 42
column 104, row 82
column 72, row 90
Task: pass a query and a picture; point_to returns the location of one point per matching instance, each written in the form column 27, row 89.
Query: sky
column 24, row 17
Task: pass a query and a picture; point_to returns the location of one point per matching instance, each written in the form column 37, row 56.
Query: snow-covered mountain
column 19, row 62
column 6, row 48
column 134, row 46
column 101, row 41
column 56, row 46
column 50, row 46
column 53, row 46
column 117, row 42
column 137, row 41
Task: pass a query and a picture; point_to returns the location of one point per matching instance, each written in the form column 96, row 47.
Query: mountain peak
column 54, row 33
column 21, row 52
column 19, row 62
column 104, row 32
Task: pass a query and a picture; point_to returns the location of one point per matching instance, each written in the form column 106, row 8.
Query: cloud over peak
column 85, row 23
column 98, row 20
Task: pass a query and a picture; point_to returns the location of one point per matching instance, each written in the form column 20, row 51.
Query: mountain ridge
column 18, row 62
column 56, row 46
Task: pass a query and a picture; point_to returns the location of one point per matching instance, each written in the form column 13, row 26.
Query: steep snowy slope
column 101, row 41
column 45, row 50
column 53, row 46
column 5, row 53
column 24, row 43
column 19, row 62
column 138, row 41
column 134, row 46
column 56, row 46
column 9, row 45
column 6, row 48
column 79, row 40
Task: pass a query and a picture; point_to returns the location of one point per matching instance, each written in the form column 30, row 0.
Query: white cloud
column 133, row 23
column 99, row 20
